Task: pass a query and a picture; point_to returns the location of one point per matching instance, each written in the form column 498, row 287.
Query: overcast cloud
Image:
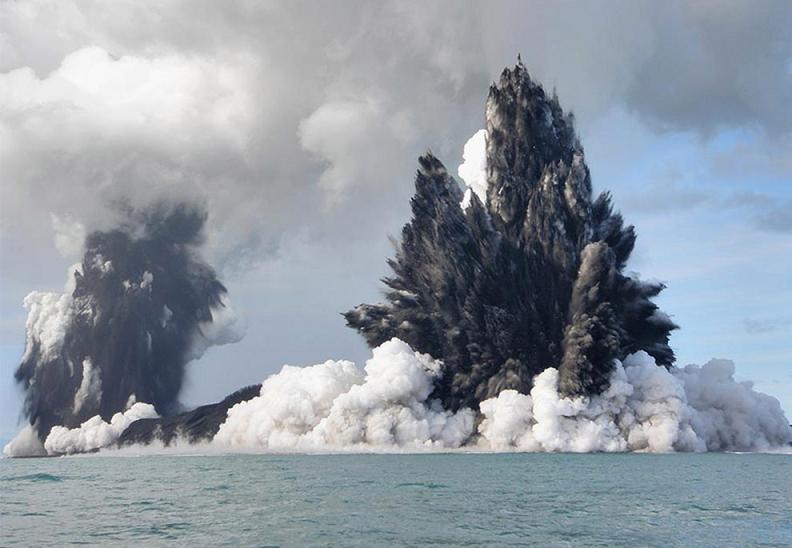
column 298, row 124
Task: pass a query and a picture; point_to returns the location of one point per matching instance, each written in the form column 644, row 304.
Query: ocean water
column 377, row 500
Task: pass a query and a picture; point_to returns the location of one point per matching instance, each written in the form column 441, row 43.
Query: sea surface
column 379, row 500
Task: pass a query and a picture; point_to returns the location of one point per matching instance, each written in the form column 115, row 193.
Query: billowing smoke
column 90, row 436
column 95, row 433
column 334, row 405
column 140, row 306
column 529, row 278
column 643, row 408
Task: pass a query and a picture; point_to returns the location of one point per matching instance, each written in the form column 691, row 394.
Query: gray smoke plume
column 531, row 279
column 143, row 304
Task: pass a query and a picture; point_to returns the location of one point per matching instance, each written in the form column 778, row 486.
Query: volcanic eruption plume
column 526, row 277
column 510, row 324
column 141, row 305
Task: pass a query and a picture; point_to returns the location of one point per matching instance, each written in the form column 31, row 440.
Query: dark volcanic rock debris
column 533, row 278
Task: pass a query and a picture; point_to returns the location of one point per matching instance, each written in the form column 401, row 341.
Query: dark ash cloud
column 143, row 304
column 529, row 279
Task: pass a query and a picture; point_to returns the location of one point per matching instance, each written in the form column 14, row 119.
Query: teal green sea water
column 376, row 500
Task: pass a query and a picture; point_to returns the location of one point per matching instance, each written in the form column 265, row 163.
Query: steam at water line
column 95, row 433
column 644, row 408
column 333, row 406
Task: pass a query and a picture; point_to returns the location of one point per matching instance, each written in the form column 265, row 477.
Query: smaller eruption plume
column 142, row 305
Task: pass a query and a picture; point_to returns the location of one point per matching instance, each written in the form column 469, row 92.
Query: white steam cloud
column 91, row 435
column 49, row 315
column 95, row 433
column 25, row 444
column 645, row 408
column 225, row 327
column 69, row 236
column 387, row 407
column 335, row 406
column 90, row 386
column 473, row 169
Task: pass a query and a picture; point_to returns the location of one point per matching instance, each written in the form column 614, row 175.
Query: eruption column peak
column 528, row 279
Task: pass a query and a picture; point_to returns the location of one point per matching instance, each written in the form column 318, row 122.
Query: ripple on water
column 428, row 485
column 34, row 477
column 371, row 500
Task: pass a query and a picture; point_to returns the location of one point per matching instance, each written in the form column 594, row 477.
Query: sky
column 298, row 125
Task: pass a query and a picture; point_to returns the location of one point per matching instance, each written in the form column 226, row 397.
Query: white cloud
column 93, row 92
column 90, row 385
column 101, row 129
column 645, row 408
column 95, row 433
column 69, row 236
column 473, row 169
column 333, row 406
column 352, row 137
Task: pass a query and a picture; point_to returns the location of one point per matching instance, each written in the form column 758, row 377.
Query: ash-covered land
column 509, row 323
